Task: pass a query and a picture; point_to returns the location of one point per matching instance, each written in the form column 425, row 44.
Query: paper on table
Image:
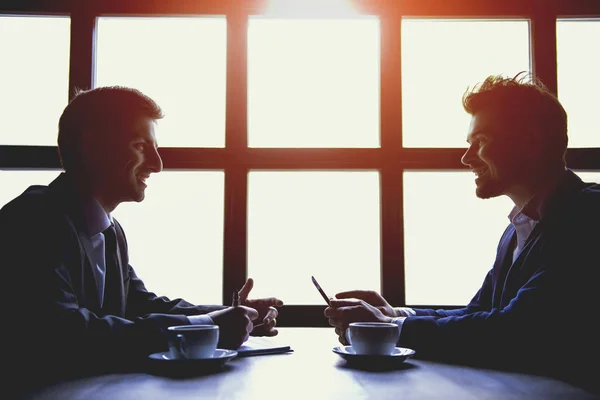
column 258, row 345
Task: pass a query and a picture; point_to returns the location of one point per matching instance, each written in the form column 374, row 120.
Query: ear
column 537, row 143
column 92, row 151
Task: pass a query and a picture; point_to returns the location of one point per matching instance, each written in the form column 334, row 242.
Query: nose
column 467, row 157
column 155, row 163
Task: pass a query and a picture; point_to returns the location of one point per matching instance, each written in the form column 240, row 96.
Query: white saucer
column 219, row 354
column 399, row 355
column 163, row 359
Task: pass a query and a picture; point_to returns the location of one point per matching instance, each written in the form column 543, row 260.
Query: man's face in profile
column 493, row 155
column 131, row 157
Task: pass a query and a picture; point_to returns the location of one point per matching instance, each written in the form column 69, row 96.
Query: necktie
column 112, row 267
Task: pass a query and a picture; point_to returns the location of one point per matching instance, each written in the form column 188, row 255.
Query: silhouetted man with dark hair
column 71, row 301
column 536, row 309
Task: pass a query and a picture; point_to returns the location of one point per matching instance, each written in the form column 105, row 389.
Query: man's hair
column 103, row 109
column 526, row 104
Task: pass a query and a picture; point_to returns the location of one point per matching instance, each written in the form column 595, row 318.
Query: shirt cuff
column 399, row 321
column 200, row 320
column 405, row 311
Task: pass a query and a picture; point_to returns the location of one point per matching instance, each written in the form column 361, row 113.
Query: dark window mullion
column 83, row 41
column 392, row 227
column 236, row 113
column 543, row 45
column 236, row 172
column 235, row 230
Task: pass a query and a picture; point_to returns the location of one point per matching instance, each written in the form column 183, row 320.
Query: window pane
column 450, row 241
column 175, row 235
column 313, row 82
column 578, row 86
column 440, row 60
column 13, row 183
column 178, row 62
column 317, row 223
column 34, row 78
column 589, row 176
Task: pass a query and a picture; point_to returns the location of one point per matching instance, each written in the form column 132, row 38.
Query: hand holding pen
column 265, row 307
column 236, row 303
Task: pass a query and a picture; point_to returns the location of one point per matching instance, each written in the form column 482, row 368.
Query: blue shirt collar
column 96, row 220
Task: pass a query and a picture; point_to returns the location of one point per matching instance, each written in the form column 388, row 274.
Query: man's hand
column 235, row 324
column 342, row 313
column 371, row 297
column 267, row 313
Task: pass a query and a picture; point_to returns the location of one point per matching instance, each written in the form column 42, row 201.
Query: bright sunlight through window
column 303, row 223
column 175, row 235
column 178, row 62
column 308, row 8
column 440, row 60
column 34, row 78
column 578, row 58
column 450, row 241
column 313, row 82
column 13, row 183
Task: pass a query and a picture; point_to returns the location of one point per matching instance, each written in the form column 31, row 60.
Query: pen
column 325, row 297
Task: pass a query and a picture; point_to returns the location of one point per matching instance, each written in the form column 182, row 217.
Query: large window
column 299, row 142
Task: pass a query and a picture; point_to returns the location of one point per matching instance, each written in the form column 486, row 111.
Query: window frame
column 237, row 159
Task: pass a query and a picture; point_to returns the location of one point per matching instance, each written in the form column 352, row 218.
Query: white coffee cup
column 193, row 341
column 373, row 338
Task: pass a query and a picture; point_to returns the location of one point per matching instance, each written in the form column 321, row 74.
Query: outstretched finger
column 245, row 290
column 335, row 303
column 332, row 312
column 270, row 328
column 271, row 332
column 356, row 294
column 268, row 302
column 271, row 315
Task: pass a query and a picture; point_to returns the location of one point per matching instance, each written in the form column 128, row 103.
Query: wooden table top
column 313, row 371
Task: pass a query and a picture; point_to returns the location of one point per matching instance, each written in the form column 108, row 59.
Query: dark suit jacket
column 50, row 294
column 536, row 313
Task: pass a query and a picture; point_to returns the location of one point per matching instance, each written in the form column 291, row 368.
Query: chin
column 140, row 196
column 488, row 190
column 136, row 195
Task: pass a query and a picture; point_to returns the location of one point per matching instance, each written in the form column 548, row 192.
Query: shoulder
column 37, row 204
column 578, row 221
column 586, row 203
column 34, row 198
column 590, row 193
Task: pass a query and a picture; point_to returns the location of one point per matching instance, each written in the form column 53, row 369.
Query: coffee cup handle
column 180, row 345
